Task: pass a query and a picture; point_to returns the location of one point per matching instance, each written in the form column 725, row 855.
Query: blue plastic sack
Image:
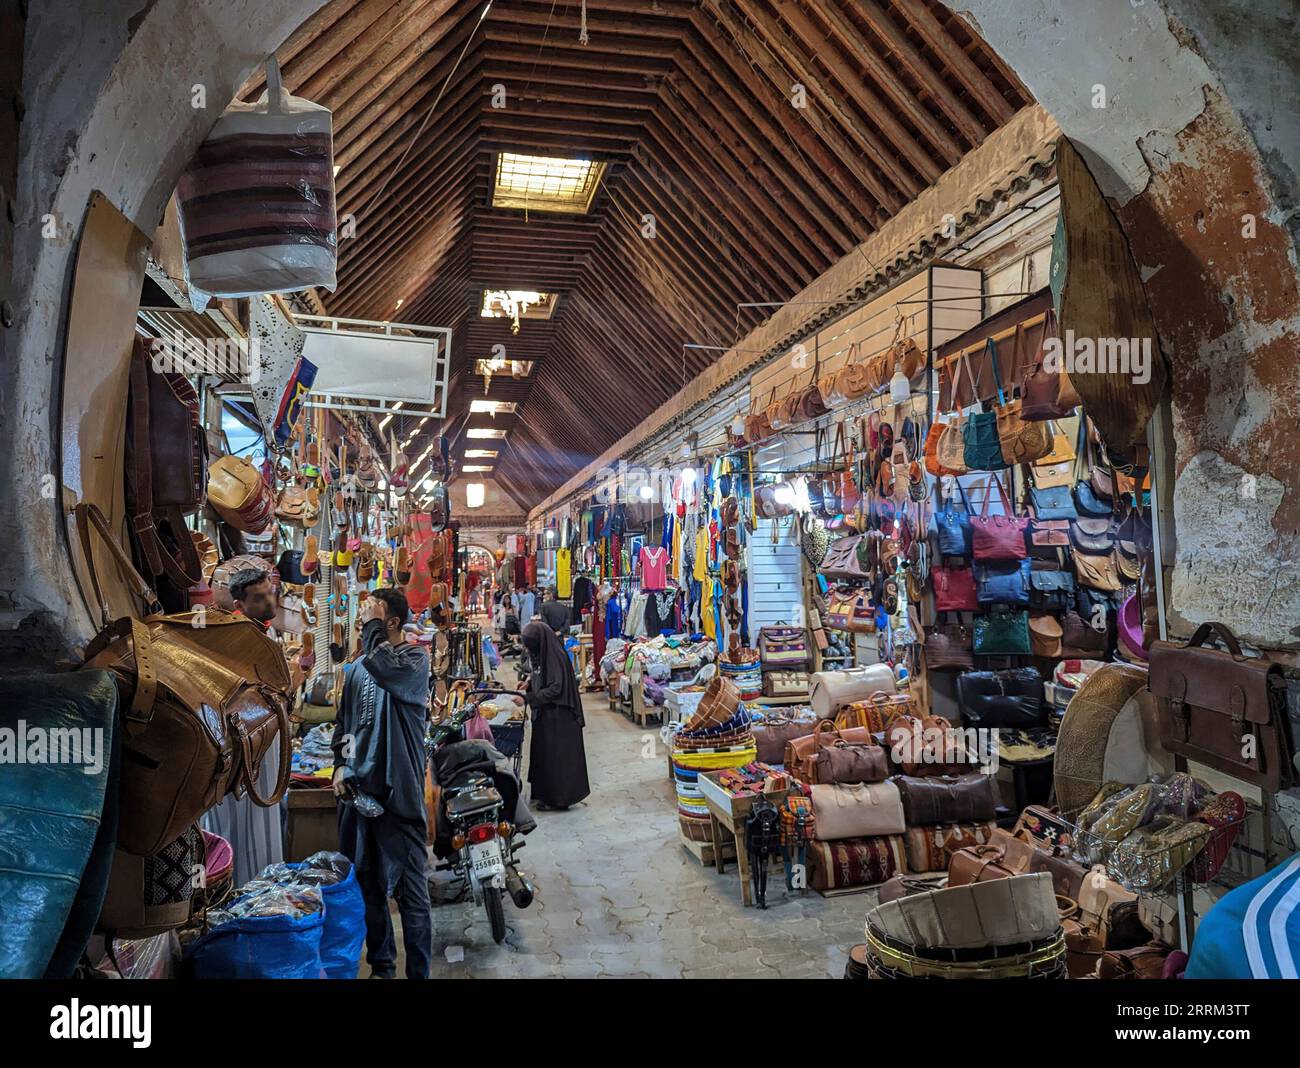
column 261, row 947
column 345, row 927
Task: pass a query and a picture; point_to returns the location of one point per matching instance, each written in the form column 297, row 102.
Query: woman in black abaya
column 557, row 767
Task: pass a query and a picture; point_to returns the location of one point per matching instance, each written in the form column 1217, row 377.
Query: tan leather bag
column 1045, row 635
column 1097, row 572
column 859, row 811
column 240, row 495
column 977, row 864
column 951, row 450
column 205, row 696
column 801, row 752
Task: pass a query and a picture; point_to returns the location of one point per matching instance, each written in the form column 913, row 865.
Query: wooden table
column 727, row 816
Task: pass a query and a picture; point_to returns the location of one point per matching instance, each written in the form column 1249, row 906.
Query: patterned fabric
column 855, row 861
column 930, row 848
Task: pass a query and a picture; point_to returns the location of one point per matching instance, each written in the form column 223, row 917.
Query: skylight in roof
column 545, row 183
column 482, row 454
column 484, row 432
column 476, row 468
column 513, row 368
column 493, row 407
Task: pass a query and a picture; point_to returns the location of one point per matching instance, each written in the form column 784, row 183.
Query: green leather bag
column 982, row 446
column 1002, row 633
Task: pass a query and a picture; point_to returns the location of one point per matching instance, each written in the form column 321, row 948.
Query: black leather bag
column 289, row 567
column 1011, row 699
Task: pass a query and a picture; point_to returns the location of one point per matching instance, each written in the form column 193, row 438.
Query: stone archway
column 1188, row 150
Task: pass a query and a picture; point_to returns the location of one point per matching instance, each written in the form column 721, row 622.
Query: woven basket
column 720, row 702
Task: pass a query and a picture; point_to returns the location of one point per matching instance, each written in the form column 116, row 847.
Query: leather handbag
column 1093, row 535
column 1004, row 583
column 877, row 714
column 1047, row 394
column 166, row 468
column 1003, row 699
column 928, row 745
column 1088, row 503
column 771, row 503
column 785, row 683
column 845, row 762
column 1097, row 572
column 775, row 732
column 982, row 448
column 1022, row 441
column 998, row 537
column 1224, row 709
column 1002, row 632
column 934, row 799
column 1045, row 636
column 758, row 427
column 1048, row 534
column 950, row 450
column 954, row 590
column 977, row 864
column 800, row 757
column 240, row 495
column 783, row 646
column 203, row 704
column 1051, row 591
column 1082, row 641
column 948, row 647
column 931, row 848
column 1052, row 502
column 851, row 610
column 864, row 810
column 831, row 690
column 954, row 527
column 843, row 560
column 854, row 379
column 1141, row 962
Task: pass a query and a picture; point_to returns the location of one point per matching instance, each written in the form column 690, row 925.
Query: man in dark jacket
column 379, row 754
column 555, row 613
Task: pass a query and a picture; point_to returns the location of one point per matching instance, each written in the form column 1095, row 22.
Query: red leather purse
column 998, row 537
column 954, row 590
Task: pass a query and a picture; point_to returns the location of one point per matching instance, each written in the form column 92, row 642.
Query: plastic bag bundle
column 256, row 203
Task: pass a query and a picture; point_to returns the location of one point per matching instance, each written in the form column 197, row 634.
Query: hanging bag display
column 853, row 380
column 954, row 527
column 256, row 202
column 954, row 590
column 1022, row 441
column 948, row 647
column 1005, row 583
column 998, row 537
column 240, row 495
column 982, row 448
column 1047, row 394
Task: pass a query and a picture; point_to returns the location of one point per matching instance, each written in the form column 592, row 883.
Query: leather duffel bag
column 775, row 732
column 947, row 798
column 830, row 690
column 844, row 762
column 867, row 810
column 205, row 695
column 801, row 752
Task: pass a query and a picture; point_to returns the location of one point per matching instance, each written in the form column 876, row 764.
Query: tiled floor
column 618, row 895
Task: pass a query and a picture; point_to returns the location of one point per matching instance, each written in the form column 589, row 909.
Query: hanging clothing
column 708, row 619
column 598, row 612
column 654, row 568
column 557, row 769
column 563, row 581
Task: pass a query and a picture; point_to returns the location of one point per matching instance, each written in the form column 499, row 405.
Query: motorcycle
column 482, row 842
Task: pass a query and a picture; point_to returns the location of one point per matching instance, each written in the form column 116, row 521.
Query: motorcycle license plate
column 485, row 859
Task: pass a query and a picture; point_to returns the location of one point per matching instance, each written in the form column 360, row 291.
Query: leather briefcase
column 801, row 752
column 947, row 798
column 1217, row 706
column 205, row 695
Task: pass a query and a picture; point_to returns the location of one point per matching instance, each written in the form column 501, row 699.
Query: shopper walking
column 557, row 766
column 379, row 754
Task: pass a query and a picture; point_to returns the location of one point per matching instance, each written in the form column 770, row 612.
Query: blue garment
column 1253, row 932
column 613, row 618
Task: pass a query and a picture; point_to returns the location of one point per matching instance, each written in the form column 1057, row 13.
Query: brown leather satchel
column 166, row 468
column 1045, row 635
column 1143, row 962
column 948, row 648
column 1097, row 572
column 206, row 694
column 978, row 864
column 1220, row 706
column 947, row 798
column 774, row 733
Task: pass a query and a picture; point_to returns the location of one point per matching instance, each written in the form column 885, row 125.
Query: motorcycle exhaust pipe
column 519, row 888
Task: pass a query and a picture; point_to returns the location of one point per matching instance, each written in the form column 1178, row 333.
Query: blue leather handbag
column 1089, row 503
column 1004, row 583
column 1053, row 502
column 954, row 526
column 982, row 446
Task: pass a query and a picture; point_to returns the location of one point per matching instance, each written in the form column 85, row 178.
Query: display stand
column 727, row 816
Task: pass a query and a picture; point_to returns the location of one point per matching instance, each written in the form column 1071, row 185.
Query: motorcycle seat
column 472, row 799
